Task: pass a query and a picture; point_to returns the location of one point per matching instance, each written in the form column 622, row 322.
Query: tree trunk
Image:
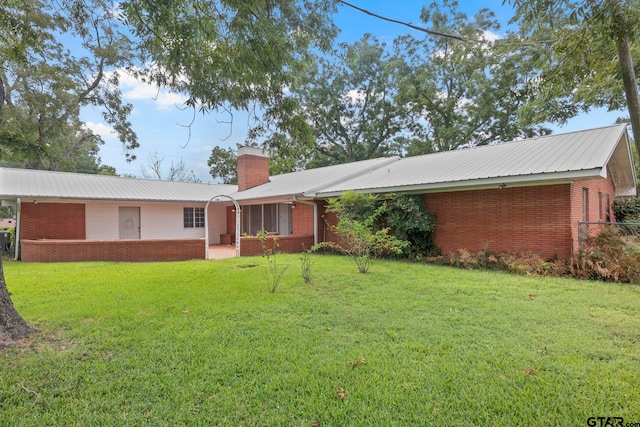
column 626, row 68
column 12, row 325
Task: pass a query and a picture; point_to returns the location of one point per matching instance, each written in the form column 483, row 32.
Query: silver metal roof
column 23, row 183
column 549, row 159
column 560, row 157
column 310, row 180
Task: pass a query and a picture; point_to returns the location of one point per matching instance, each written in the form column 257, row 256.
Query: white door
column 129, row 222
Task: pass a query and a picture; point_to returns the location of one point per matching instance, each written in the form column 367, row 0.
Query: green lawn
column 206, row 343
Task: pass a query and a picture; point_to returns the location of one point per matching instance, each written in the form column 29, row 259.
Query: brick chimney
column 253, row 167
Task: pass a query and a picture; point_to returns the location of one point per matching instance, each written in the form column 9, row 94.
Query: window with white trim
column 193, row 217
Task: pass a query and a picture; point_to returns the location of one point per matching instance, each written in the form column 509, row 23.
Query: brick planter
column 49, row 250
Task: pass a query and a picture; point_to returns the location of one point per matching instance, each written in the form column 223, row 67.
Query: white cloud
column 134, row 89
column 491, row 37
column 105, row 131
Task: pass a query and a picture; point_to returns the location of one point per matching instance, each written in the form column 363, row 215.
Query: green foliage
column 359, row 231
column 222, row 164
column 107, row 170
column 627, row 209
column 586, row 55
column 467, row 93
column 356, row 206
column 43, row 85
column 225, row 54
column 610, row 255
column 348, row 103
column 409, row 220
column 12, row 241
column 305, row 265
column 199, row 343
column 270, row 247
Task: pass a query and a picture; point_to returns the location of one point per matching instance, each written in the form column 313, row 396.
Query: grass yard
column 206, row 343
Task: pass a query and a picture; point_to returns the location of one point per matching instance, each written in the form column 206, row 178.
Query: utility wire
column 408, row 24
column 438, row 33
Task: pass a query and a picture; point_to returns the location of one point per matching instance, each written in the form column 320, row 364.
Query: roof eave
column 481, row 184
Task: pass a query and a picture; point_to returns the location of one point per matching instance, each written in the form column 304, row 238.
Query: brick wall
column 251, row 246
column 597, row 191
column 52, row 221
column 111, row 250
column 524, row 219
column 302, row 219
column 231, row 220
column 325, row 223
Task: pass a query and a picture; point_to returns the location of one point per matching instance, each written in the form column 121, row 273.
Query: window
column 607, row 212
column 273, row 218
column 193, row 217
column 600, row 206
column 585, row 204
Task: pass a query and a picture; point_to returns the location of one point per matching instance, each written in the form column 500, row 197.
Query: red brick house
column 527, row 195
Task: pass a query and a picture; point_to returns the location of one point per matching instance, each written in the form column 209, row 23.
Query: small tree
column 359, row 229
column 274, row 272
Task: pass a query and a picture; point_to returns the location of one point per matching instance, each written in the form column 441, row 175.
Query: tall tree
column 223, row 165
column 43, row 84
column 588, row 51
column 344, row 109
column 348, row 109
column 468, row 90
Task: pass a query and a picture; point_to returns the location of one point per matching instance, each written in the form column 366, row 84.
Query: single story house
column 529, row 195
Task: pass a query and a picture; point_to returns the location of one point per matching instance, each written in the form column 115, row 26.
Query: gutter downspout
column 18, row 225
column 315, row 216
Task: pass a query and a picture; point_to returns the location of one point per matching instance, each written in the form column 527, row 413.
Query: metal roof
column 310, row 180
column 553, row 158
column 560, row 157
column 24, row 183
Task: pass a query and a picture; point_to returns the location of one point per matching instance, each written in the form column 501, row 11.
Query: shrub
column 519, row 263
column 608, row 256
column 409, row 220
column 627, row 210
column 359, row 231
column 274, row 271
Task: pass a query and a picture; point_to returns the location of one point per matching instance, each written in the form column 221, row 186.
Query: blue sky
column 159, row 119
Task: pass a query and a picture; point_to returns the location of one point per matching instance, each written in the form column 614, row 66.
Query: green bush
column 627, row 210
column 359, row 229
column 409, row 220
column 12, row 240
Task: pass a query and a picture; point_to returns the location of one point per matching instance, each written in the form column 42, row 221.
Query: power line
column 438, row 33
column 408, row 24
